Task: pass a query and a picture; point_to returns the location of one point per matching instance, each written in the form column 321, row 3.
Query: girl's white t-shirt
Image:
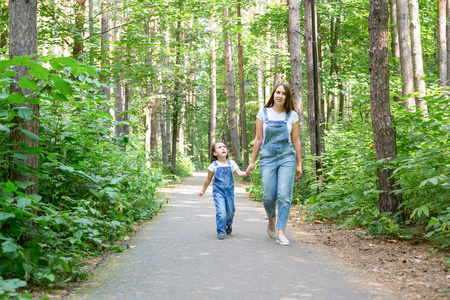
column 274, row 116
column 213, row 168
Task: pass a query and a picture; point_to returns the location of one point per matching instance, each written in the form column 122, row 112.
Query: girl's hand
column 298, row 172
column 250, row 168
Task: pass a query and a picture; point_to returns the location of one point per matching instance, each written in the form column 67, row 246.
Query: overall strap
column 215, row 162
column 229, row 163
column 287, row 116
column 266, row 118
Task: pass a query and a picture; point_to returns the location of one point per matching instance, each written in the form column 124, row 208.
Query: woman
column 277, row 141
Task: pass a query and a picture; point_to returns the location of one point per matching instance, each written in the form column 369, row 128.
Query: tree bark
column 382, row 119
column 448, row 38
column 442, row 42
column 165, row 117
column 105, row 45
column 296, row 80
column 78, row 45
column 405, row 54
column 417, row 57
column 213, row 95
column 243, row 118
column 176, row 96
column 394, row 29
column 23, row 42
column 235, row 148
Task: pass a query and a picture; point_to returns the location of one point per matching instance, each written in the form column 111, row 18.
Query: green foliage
column 91, row 190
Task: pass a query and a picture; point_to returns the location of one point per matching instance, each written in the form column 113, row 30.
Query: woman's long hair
column 213, row 149
column 289, row 104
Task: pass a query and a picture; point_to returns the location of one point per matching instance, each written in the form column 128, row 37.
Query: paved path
column 177, row 256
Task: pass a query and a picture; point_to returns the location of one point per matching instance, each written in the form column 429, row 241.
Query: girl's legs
column 229, row 203
column 221, row 211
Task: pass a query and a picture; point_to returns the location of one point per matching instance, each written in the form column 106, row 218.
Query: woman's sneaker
column 270, row 229
column 282, row 240
column 220, row 235
column 228, row 230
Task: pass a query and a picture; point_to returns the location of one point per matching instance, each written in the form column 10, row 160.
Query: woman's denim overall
column 277, row 160
column 223, row 194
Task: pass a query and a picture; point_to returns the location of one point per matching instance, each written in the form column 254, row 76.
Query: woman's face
column 279, row 97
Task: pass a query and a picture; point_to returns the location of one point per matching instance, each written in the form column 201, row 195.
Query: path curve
column 177, row 256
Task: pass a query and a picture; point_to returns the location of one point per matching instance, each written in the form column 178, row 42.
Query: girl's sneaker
column 220, row 235
column 228, row 230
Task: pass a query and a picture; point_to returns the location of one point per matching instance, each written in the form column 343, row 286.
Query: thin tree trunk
column 126, row 107
column 23, row 42
column 80, row 11
column 118, row 89
column 176, row 96
column 213, row 95
column 448, row 38
column 382, row 119
column 91, row 29
column 405, row 54
column 243, row 120
column 417, row 59
column 165, row 116
column 235, row 148
column 394, row 29
column 441, row 41
column 296, row 81
column 105, row 44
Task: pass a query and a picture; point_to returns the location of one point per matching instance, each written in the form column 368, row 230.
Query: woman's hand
column 298, row 172
column 250, row 168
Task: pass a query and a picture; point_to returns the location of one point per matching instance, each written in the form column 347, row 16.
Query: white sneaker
column 282, row 240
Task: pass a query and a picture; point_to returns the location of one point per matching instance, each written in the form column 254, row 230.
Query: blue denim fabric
column 277, row 160
column 223, row 194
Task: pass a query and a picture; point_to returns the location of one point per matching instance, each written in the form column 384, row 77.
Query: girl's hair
column 213, row 149
column 289, row 104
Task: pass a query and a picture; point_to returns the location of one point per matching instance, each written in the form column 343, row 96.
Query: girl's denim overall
column 277, row 161
column 223, row 194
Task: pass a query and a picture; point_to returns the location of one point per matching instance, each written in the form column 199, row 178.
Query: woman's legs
column 286, row 173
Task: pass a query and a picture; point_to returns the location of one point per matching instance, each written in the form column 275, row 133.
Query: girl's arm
column 256, row 144
column 206, row 183
column 295, row 138
column 241, row 173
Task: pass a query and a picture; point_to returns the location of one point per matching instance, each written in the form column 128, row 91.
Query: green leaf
column 5, row 216
column 25, row 113
column 5, row 64
column 9, row 246
column 29, row 134
column 20, row 156
column 39, row 72
column 27, row 83
column 10, row 187
column 23, row 184
column 63, row 86
column 67, row 168
column 10, row 285
column 434, row 180
column 4, row 128
column 15, row 99
column 4, row 95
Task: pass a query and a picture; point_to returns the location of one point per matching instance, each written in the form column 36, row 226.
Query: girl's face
column 279, row 97
column 221, row 150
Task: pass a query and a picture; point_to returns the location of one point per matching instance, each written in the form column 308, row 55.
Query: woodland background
column 108, row 100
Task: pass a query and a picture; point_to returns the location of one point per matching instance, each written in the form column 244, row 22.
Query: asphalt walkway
column 177, row 256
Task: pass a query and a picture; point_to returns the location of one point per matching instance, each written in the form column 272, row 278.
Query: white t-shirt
column 213, row 168
column 274, row 116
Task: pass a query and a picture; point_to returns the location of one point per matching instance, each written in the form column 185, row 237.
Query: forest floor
column 412, row 268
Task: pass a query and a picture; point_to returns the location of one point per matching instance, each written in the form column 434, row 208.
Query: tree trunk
column 80, row 11
column 23, row 42
column 417, row 58
column 213, row 95
column 165, row 117
column 382, row 119
column 91, row 29
column 105, row 44
column 243, row 118
column 176, row 96
column 394, row 29
column 448, row 38
column 235, row 148
column 126, row 107
column 405, row 54
column 310, row 75
column 296, row 81
column 118, row 89
column 4, row 34
column 442, row 42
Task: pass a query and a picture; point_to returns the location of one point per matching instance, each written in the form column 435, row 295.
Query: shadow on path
column 177, row 256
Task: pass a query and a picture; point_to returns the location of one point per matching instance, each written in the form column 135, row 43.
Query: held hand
column 250, row 169
column 201, row 193
column 298, row 172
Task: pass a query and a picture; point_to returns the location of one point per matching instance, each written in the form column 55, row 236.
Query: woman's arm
column 295, row 138
column 256, row 144
column 206, row 183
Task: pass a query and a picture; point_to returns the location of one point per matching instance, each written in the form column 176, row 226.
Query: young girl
column 222, row 169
